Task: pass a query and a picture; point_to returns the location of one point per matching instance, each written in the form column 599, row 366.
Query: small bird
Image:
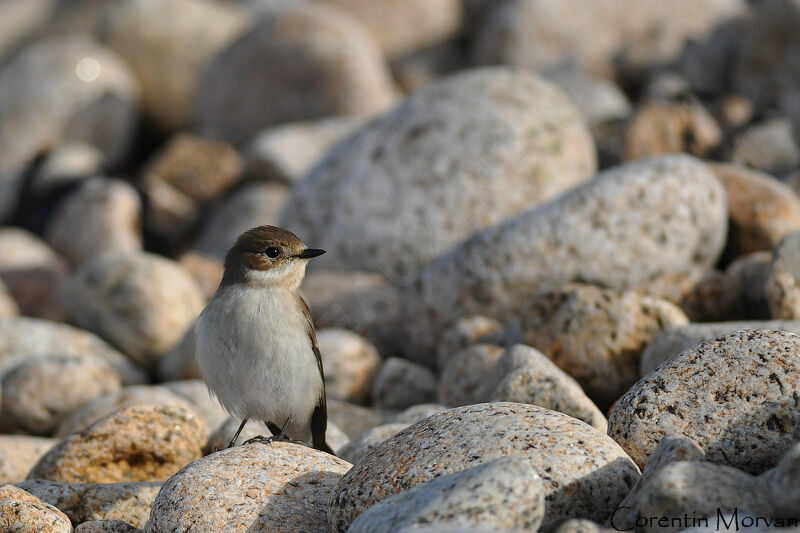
column 256, row 346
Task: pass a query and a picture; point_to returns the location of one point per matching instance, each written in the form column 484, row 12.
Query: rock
column 357, row 449
column 585, row 473
column 423, row 169
column 465, row 373
column 402, row 27
column 769, row 146
column 84, row 502
column 18, row 453
column 474, row 329
column 8, row 306
column 762, row 209
column 512, row 359
column 361, row 302
column 661, row 127
column 416, row 413
column 401, row 383
column 65, row 165
column 350, row 362
column 545, row 385
column 314, row 61
column 671, row 341
column 354, row 419
column 103, row 215
column 781, row 482
column 21, row 19
column 783, row 293
column 142, row 303
column 611, row 35
column 421, row 67
column 580, row 525
column 506, row 493
column 138, row 443
column 180, row 361
column 181, row 38
column 596, row 335
column 732, row 395
column 24, row 339
column 224, row 432
column 65, row 88
column 39, row 393
column 287, row 153
column 598, row 99
column 106, row 526
column 595, row 233
column 281, row 487
column 252, row 205
column 22, row 512
column 207, row 271
column 153, row 395
column 197, row 394
column 187, row 174
column 34, row 274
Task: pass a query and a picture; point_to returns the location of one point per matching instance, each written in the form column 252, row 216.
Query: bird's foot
column 274, row 438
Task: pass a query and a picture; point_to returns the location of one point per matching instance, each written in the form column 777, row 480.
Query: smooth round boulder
column 585, row 473
column 648, row 225
column 734, row 396
column 18, row 454
column 255, row 487
column 783, row 278
column 439, row 167
column 21, row 512
column 401, row 383
column 351, row 363
column 142, row 303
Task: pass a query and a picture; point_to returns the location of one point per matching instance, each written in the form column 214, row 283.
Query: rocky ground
column 562, row 287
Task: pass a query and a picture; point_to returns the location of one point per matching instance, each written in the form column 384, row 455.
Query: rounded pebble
column 401, row 383
column 351, row 363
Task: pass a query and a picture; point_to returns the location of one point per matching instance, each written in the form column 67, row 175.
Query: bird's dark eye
column 272, row 252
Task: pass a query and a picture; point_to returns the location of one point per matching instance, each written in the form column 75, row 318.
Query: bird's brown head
column 268, row 256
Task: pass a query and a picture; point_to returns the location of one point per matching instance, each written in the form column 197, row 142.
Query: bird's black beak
column 308, row 253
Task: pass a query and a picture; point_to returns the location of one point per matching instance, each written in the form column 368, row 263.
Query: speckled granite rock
column 103, row 215
column 401, row 383
column 503, row 494
column 106, row 526
column 597, row 335
column 18, row 454
column 286, row 488
column 358, row 448
column 179, row 181
column 606, row 36
column 21, row 512
column 464, row 374
column 62, row 88
column 545, row 385
column 351, row 363
column 197, row 394
column 142, row 303
column 33, row 273
column 466, row 331
column 138, row 443
column 769, row 146
column 762, row 209
column 783, row 287
column 416, row 413
column 561, row 449
column 314, row 61
column 426, row 169
column 252, row 205
column 734, row 396
column 663, row 127
column 354, row 419
column 595, row 233
column 513, row 358
column 781, row 482
column 38, row 394
column 362, row 302
column 674, row 340
column 22, row 339
column 114, row 401
column 181, row 37
column 287, row 153
column 402, row 27
column 83, row 502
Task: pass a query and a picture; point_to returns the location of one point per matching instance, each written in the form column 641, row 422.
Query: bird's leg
column 278, row 434
column 236, row 435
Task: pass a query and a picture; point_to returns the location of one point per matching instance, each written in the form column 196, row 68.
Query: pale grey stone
column 506, row 493
column 18, row 454
column 585, row 473
column 416, row 413
column 734, row 396
column 783, row 280
column 769, row 146
column 465, row 373
column 355, row 419
column 401, row 383
column 351, row 363
column 465, row 331
column 595, row 233
column 360, row 447
column 439, row 167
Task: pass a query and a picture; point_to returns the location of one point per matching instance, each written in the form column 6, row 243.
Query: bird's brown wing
column 319, row 417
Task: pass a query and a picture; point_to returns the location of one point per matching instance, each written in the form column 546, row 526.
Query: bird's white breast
column 255, row 354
